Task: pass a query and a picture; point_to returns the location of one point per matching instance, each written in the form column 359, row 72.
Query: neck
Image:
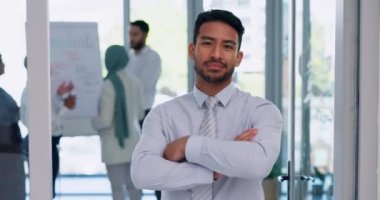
column 211, row 89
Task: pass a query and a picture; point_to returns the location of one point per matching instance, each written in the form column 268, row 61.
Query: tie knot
column 211, row 102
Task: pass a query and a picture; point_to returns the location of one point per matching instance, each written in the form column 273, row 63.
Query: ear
column 191, row 51
column 239, row 57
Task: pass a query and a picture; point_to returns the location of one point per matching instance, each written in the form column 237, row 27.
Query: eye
column 206, row 43
column 229, row 46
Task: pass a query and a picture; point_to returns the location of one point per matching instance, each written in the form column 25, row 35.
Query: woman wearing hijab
column 120, row 109
column 12, row 174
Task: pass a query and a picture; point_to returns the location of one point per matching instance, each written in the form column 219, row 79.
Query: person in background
column 61, row 101
column 120, row 109
column 12, row 173
column 216, row 142
column 145, row 65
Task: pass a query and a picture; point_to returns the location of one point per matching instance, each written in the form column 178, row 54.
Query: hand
column 247, row 135
column 175, row 151
column 65, row 88
column 70, row 102
column 217, row 176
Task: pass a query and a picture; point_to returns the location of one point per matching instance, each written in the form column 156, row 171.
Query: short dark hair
column 219, row 15
column 142, row 25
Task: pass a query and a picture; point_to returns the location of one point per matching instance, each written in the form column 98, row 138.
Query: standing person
column 216, row 142
column 120, row 109
column 12, row 173
column 61, row 101
column 145, row 63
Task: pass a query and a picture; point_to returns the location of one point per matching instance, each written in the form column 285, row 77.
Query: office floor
column 71, row 187
column 96, row 187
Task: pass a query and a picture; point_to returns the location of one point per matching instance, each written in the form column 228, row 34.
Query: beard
column 138, row 45
column 214, row 79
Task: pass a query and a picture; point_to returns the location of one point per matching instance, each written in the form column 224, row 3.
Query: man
column 61, row 101
column 216, row 142
column 145, row 63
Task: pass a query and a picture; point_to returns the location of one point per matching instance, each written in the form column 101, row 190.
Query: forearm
column 151, row 171
column 240, row 159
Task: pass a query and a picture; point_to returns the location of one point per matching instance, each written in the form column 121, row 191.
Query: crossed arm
column 158, row 164
column 175, row 151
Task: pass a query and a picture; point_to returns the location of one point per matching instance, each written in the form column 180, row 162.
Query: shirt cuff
column 193, row 149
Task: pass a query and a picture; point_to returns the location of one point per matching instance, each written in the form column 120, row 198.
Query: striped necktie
column 207, row 128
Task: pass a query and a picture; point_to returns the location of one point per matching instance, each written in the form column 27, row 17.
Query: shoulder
column 258, row 104
column 250, row 99
column 152, row 53
column 168, row 111
column 174, row 104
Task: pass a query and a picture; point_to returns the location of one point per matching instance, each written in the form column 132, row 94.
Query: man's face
column 2, row 66
column 215, row 52
column 137, row 38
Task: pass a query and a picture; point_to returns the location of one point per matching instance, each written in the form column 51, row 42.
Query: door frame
column 346, row 106
column 368, row 155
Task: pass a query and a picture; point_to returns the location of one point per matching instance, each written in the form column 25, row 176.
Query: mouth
column 215, row 66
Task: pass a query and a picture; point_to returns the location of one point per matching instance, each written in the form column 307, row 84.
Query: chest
column 230, row 122
column 138, row 64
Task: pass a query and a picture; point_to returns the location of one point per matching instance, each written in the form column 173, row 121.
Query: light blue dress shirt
column 244, row 164
column 145, row 66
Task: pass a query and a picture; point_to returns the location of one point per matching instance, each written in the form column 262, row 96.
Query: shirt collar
column 224, row 95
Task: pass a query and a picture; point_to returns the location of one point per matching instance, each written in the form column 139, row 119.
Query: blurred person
column 120, row 109
column 61, row 101
column 145, row 65
column 216, row 142
column 12, row 173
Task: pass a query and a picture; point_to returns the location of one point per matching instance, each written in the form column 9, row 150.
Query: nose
column 216, row 52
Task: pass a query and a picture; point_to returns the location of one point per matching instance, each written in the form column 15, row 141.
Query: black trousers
column 55, row 158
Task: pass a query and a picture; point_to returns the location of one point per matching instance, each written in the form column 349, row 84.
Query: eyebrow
column 224, row 41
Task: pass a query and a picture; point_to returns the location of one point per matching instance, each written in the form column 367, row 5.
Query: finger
column 246, row 134
column 248, row 137
column 240, row 136
column 251, row 137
